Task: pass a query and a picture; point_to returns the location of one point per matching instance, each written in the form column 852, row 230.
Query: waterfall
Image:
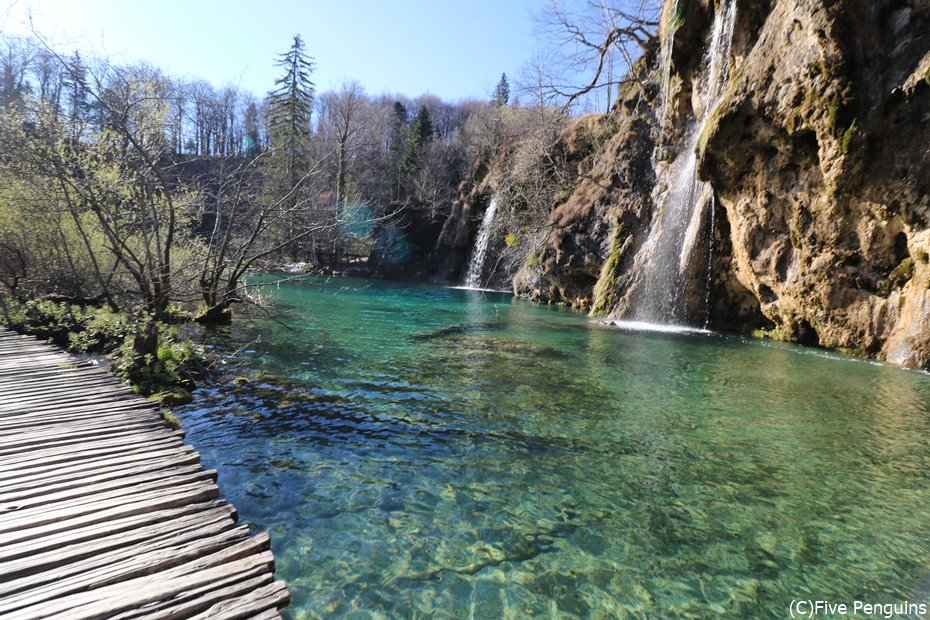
column 668, row 253
column 480, row 251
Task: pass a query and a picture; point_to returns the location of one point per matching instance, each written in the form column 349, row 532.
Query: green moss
column 605, row 291
column 511, row 240
column 776, row 334
column 921, row 256
column 171, row 420
column 172, row 397
column 847, row 137
column 822, row 68
column 533, row 260
column 898, row 277
column 176, row 364
column 833, row 111
column 215, row 315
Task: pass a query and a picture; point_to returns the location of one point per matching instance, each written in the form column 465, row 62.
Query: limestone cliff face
column 599, row 218
column 820, row 156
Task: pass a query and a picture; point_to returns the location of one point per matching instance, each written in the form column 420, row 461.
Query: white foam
column 643, row 326
column 482, row 290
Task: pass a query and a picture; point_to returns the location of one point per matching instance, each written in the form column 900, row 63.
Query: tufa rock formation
column 818, row 155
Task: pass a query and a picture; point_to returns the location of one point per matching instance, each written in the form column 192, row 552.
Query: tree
column 289, row 108
column 421, row 132
column 344, row 108
column 502, row 91
column 590, row 48
column 398, row 140
column 14, row 66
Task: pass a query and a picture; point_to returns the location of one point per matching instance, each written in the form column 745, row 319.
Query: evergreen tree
column 502, row 91
column 421, row 132
column 289, row 108
column 78, row 103
column 291, row 102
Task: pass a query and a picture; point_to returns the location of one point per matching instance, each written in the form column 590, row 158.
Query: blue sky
column 451, row 48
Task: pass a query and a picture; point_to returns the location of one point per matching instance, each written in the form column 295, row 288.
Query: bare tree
column 588, row 49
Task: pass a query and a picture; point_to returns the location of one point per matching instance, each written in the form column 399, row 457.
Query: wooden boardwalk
column 104, row 512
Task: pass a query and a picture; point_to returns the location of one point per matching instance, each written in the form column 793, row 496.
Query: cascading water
column 667, row 255
column 480, row 251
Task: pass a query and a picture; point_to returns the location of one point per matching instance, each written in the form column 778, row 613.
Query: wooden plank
column 110, row 600
column 123, row 564
column 46, row 454
column 25, row 400
column 29, row 466
column 58, row 480
column 114, row 478
column 104, row 512
column 67, row 432
column 262, row 602
column 197, row 600
column 81, row 437
column 30, row 571
column 91, row 495
column 115, row 414
column 68, row 407
column 55, row 472
column 95, row 531
column 18, row 531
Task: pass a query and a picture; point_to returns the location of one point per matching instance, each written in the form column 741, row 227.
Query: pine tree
column 290, row 103
column 251, row 138
column 289, row 108
column 421, row 132
column 75, row 78
column 502, row 91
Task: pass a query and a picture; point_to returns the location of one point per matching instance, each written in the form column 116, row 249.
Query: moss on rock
column 172, row 397
column 606, row 288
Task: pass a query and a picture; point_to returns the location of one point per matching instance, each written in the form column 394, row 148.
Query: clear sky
column 451, row 48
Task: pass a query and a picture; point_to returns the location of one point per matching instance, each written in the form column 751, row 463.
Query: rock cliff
column 817, row 156
column 820, row 155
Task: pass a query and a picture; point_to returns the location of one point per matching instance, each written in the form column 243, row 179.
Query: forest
column 133, row 201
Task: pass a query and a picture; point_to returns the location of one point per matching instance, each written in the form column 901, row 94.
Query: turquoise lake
column 426, row 452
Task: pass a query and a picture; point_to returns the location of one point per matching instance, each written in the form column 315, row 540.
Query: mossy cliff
column 818, row 156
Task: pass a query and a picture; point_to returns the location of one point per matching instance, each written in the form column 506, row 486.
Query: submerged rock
column 459, row 329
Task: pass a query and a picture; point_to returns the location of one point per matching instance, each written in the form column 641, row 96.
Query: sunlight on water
column 427, row 452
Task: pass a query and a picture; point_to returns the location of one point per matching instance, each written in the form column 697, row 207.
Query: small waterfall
column 480, row 251
column 665, row 260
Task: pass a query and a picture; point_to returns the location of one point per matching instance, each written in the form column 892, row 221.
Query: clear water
column 426, row 452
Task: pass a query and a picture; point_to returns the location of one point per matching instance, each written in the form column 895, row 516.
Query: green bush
column 176, row 364
column 103, row 332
